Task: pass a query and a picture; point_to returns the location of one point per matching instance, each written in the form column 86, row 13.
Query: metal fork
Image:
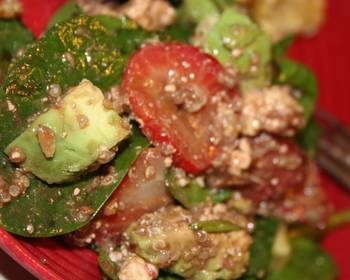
column 333, row 153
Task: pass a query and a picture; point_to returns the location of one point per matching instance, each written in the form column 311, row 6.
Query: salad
column 176, row 139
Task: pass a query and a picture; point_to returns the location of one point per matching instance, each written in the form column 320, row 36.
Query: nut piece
column 16, row 155
column 10, row 8
column 47, row 140
column 136, row 268
column 271, row 109
column 151, row 15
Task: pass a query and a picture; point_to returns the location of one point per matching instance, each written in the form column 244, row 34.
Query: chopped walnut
column 118, row 99
column 17, row 186
column 47, row 140
column 16, row 155
column 280, row 18
column 98, row 7
column 240, row 158
column 134, row 267
column 272, row 110
column 10, row 8
column 150, row 14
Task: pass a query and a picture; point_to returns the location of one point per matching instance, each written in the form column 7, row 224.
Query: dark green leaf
column 181, row 32
column 260, row 252
column 308, row 138
column 14, row 36
column 297, row 75
column 221, row 195
column 280, row 48
column 308, row 262
column 215, row 226
column 66, row 12
column 193, row 194
column 55, row 210
column 164, row 275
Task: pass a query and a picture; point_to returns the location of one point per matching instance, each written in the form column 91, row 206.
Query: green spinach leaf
column 13, row 37
column 308, row 138
column 297, row 75
column 260, row 252
column 64, row 13
column 308, row 262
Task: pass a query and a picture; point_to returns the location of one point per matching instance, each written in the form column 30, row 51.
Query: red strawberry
column 171, row 88
column 36, row 14
column 142, row 191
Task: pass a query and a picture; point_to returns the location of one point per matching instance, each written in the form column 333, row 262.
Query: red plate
column 328, row 54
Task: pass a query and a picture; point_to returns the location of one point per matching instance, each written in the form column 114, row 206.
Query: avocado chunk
column 237, row 41
column 197, row 10
column 76, row 132
column 167, row 239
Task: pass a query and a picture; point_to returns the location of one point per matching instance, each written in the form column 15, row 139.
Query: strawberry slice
column 170, row 87
column 36, row 14
column 142, row 191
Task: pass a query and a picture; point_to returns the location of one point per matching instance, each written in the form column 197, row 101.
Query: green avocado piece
column 308, row 261
column 166, row 239
column 197, row 10
column 82, row 128
column 235, row 40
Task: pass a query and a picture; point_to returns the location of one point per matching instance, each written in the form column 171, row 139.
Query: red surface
column 328, row 54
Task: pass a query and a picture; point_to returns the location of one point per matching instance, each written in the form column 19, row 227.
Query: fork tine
column 333, row 153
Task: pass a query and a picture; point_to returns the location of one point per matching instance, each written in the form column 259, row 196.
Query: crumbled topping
column 273, row 110
column 105, row 155
column 10, row 8
column 240, row 158
column 135, row 267
column 83, row 121
column 54, row 90
column 16, row 155
column 150, row 14
column 120, row 102
column 16, row 187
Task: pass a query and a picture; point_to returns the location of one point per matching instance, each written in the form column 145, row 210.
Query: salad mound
column 171, row 137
